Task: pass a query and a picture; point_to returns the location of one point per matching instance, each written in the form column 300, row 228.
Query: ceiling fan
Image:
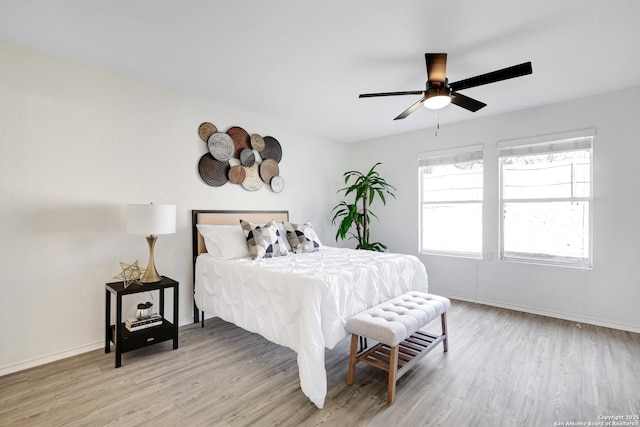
column 439, row 92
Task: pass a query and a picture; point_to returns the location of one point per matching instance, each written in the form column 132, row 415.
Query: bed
column 302, row 300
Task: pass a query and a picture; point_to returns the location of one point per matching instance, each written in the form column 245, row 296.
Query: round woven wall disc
column 268, row 169
column 252, row 181
column 247, row 158
column 272, row 149
column 257, row 143
column 277, row 184
column 240, row 138
column 236, row 174
column 221, row 146
column 205, row 130
column 212, row 171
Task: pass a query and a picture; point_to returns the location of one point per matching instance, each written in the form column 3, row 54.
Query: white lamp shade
column 151, row 219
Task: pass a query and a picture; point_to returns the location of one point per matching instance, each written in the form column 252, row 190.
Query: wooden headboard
column 220, row 217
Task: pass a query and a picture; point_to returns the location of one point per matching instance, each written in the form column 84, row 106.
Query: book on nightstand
column 133, row 324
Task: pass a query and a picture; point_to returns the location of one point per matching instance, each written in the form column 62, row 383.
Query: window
column 546, row 199
column 451, row 201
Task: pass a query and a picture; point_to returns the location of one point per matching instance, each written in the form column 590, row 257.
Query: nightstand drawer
column 145, row 337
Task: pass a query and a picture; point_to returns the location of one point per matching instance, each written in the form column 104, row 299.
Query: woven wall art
column 240, row 158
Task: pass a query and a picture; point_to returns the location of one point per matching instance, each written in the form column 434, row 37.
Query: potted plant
column 144, row 310
column 358, row 214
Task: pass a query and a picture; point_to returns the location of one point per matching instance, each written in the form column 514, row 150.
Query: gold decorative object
column 131, row 273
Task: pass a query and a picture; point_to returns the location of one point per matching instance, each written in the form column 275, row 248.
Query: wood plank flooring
column 503, row 368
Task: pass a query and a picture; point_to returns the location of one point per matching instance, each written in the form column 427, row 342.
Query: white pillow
column 224, row 241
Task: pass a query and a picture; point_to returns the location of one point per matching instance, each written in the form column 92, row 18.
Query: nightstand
column 126, row 340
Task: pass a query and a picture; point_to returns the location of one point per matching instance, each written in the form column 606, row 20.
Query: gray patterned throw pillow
column 263, row 241
column 302, row 237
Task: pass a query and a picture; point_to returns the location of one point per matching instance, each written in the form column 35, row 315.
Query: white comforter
column 303, row 301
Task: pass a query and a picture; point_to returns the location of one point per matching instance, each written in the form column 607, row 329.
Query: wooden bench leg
column 352, row 359
column 393, row 369
column 445, row 342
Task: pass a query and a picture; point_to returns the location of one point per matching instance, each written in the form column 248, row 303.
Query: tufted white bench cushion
column 395, row 320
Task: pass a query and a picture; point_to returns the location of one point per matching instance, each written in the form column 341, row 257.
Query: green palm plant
column 351, row 215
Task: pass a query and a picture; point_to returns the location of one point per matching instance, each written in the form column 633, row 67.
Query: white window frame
column 443, row 157
column 576, row 140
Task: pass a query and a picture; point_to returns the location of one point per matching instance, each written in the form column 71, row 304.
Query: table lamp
column 151, row 220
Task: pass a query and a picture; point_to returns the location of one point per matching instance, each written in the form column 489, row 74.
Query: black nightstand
column 126, row 340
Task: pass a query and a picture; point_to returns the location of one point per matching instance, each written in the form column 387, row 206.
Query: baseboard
column 20, row 366
column 547, row 313
column 9, row 369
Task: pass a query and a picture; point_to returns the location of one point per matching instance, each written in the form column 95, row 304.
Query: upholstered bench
column 395, row 325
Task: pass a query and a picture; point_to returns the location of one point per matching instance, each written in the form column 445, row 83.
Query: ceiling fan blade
column 371, row 95
column 411, row 109
column 436, row 66
column 465, row 102
column 494, row 76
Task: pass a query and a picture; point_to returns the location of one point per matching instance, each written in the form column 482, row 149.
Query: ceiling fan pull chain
column 437, row 122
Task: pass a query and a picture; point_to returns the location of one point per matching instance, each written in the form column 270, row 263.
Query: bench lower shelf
column 410, row 351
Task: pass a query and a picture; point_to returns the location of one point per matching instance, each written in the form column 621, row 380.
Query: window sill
column 547, row 263
column 453, row 254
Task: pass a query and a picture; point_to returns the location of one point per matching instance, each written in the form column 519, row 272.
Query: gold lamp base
column 151, row 274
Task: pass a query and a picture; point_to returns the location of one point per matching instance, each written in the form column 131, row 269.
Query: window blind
column 570, row 141
column 447, row 157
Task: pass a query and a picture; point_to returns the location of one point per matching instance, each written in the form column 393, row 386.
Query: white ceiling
column 304, row 62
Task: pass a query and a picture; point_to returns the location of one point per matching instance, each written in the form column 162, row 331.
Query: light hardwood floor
column 503, row 368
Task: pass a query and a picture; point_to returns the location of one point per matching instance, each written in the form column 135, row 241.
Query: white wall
column 606, row 295
column 78, row 144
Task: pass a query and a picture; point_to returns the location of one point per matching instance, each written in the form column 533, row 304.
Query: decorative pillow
column 224, row 241
column 283, row 236
column 263, row 241
column 302, row 237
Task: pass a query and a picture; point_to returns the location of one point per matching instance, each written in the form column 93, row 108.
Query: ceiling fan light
column 437, row 99
column 437, row 102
